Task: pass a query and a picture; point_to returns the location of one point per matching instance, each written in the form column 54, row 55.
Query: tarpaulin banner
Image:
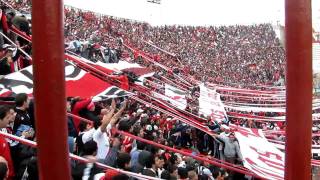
column 259, row 155
column 210, row 104
column 176, row 96
column 78, row 83
column 121, row 66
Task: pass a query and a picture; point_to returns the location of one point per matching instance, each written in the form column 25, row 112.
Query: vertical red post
column 299, row 89
column 49, row 89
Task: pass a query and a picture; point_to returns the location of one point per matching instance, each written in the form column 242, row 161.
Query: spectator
column 204, row 172
column 135, row 153
column 173, row 170
column 6, row 62
column 250, row 124
column 3, row 24
column 231, row 148
column 77, row 105
column 165, row 175
column 111, row 157
column 192, row 175
column 15, row 147
column 23, row 122
column 100, row 135
column 183, row 173
column 4, row 146
column 4, row 172
column 21, row 23
column 28, row 169
column 72, row 130
column 154, row 166
column 123, row 161
column 87, row 170
column 219, row 174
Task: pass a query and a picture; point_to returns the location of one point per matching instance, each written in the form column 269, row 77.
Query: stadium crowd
column 215, row 54
column 226, row 54
column 99, row 140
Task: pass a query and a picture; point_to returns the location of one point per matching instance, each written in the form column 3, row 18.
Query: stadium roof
column 194, row 12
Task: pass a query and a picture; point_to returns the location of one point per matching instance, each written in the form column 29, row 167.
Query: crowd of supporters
column 20, row 5
column 99, row 140
column 216, row 54
column 226, row 54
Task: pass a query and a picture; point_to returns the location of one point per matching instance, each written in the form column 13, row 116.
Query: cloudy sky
column 194, row 12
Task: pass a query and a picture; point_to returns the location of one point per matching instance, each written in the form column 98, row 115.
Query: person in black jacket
column 72, row 130
column 27, row 168
column 87, row 170
column 23, row 121
column 21, row 23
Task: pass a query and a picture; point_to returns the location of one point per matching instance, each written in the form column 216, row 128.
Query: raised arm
column 214, row 135
column 116, row 117
column 107, row 117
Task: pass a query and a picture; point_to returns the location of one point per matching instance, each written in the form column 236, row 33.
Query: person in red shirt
column 4, row 146
column 77, row 105
column 3, row 21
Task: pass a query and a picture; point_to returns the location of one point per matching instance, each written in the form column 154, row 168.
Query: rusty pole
column 299, row 89
column 49, row 89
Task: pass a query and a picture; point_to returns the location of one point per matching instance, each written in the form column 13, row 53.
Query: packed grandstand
column 147, row 102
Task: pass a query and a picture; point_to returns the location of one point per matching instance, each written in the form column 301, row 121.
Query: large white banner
column 176, row 96
column 210, row 104
column 260, row 156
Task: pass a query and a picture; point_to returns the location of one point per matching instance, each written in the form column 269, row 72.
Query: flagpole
column 49, row 89
column 299, row 89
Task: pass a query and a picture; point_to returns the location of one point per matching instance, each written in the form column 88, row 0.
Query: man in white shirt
column 101, row 135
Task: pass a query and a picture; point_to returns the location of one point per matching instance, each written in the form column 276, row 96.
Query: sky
column 194, row 12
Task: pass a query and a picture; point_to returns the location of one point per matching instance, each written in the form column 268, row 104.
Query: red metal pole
column 49, row 89
column 299, row 89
